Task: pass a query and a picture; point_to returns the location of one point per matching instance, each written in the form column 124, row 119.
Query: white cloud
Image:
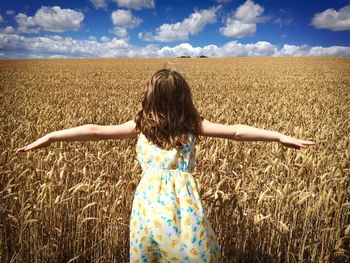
column 99, row 3
column 332, row 19
column 7, row 30
column 292, row 50
column 104, row 39
column 65, row 45
column 52, row 19
column 10, row 12
column 26, row 23
column 305, row 50
column 124, row 18
column 243, row 21
column 235, row 28
column 181, row 30
column 249, row 12
column 120, row 32
column 57, row 56
column 1, row 19
column 135, row 4
column 105, row 47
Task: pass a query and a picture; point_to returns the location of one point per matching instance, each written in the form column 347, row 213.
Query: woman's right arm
column 87, row 132
column 241, row 132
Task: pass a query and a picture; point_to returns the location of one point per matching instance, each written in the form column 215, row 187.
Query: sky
column 151, row 28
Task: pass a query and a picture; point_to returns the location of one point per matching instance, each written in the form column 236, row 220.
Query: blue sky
column 150, row 28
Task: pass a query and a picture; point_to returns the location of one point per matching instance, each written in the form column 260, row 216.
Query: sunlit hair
column 168, row 114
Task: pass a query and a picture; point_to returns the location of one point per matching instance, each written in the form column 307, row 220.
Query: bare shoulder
column 130, row 128
column 119, row 131
column 213, row 129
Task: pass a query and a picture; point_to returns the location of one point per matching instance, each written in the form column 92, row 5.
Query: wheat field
column 71, row 202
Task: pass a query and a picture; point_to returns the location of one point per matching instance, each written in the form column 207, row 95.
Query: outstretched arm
column 87, row 132
column 241, row 132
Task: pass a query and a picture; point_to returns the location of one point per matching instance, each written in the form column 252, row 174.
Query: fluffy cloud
column 332, row 19
column 99, row 3
column 7, row 30
column 65, row 45
column 305, row 50
column 124, row 18
column 135, row 4
column 1, row 19
column 243, row 21
column 181, row 30
column 104, row 39
column 105, row 47
column 52, row 19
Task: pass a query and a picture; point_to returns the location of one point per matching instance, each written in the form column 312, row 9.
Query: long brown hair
column 168, row 113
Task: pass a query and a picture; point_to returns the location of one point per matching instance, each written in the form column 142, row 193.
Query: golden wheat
column 71, row 202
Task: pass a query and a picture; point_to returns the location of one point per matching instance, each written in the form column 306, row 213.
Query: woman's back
column 168, row 222
column 152, row 157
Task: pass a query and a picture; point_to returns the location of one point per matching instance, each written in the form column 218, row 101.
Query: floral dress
column 168, row 222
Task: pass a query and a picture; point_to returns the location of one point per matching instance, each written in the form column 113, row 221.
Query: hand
column 295, row 143
column 42, row 142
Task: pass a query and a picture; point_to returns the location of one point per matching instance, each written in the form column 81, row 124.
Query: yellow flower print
column 146, row 230
column 183, row 183
column 177, row 200
column 202, row 232
column 135, row 250
column 144, row 212
column 189, row 201
column 153, row 195
column 169, row 208
column 164, row 252
column 188, row 220
column 157, row 158
column 194, row 251
column 139, row 204
column 175, row 244
column 206, row 245
column 158, row 223
column 143, row 234
column 175, row 259
column 175, row 219
column 146, row 155
column 149, row 249
column 151, row 180
column 186, row 234
column 134, row 223
column 133, row 234
column 159, row 238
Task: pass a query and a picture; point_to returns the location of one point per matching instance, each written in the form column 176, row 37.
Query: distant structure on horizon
column 202, row 56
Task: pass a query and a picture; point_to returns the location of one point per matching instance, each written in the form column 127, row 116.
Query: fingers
column 308, row 142
column 303, row 143
column 23, row 149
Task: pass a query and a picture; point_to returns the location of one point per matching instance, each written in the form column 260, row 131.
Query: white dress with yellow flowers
column 168, row 222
